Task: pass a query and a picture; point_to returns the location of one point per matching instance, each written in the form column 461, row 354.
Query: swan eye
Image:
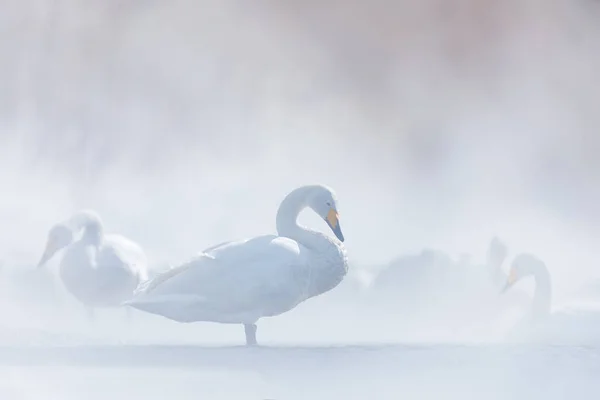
column 328, row 204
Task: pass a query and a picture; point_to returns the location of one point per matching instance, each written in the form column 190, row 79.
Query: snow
column 345, row 372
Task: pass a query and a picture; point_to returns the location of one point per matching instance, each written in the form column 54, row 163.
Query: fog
column 439, row 124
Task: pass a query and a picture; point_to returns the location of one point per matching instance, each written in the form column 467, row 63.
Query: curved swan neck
column 495, row 272
column 90, row 223
column 543, row 291
column 330, row 266
column 287, row 215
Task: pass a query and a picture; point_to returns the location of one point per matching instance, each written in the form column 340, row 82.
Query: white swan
column 496, row 255
column 98, row 270
column 577, row 323
column 239, row 282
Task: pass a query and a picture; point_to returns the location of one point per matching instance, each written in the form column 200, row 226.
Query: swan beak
column 51, row 248
column 512, row 278
column 333, row 220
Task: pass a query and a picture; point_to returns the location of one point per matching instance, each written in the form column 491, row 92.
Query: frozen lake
column 346, row 372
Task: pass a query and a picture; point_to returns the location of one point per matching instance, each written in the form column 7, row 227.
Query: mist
column 439, row 124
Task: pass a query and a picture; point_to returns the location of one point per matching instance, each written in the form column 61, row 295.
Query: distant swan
column 496, row 255
column 578, row 323
column 98, row 270
column 242, row 281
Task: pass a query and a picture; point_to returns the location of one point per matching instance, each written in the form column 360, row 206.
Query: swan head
column 523, row 265
column 323, row 201
column 59, row 237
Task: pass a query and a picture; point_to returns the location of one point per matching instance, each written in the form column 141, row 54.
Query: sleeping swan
column 242, row 281
column 98, row 270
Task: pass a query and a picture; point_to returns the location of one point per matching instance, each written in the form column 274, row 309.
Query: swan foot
column 250, row 330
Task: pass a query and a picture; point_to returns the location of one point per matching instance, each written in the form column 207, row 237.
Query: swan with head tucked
column 577, row 323
column 242, row 281
column 98, row 270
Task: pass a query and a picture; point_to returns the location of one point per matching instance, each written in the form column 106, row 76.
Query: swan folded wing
column 110, row 263
column 257, row 275
column 114, row 275
column 149, row 285
column 219, row 246
column 198, row 260
column 129, row 253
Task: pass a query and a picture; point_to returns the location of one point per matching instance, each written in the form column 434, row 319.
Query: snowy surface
column 329, row 348
column 347, row 372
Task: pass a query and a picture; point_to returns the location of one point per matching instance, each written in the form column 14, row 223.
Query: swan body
column 241, row 281
column 98, row 270
column 576, row 323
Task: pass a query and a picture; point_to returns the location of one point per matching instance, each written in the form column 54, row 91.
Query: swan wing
column 235, row 281
column 105, row 275
column 119, row 250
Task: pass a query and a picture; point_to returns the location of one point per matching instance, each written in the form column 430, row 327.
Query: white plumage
column 98, row 270
column 242, row 281
column 574, row 324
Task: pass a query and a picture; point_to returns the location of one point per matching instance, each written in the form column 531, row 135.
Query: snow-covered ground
column 320, row 350
column 336, row 346
column 347, row 372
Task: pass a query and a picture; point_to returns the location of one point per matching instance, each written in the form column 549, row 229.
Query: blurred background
column 184, row 123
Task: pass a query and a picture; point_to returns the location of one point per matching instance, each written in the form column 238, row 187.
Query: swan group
column 242, row 281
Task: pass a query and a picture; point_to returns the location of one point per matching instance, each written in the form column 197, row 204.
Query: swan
column 573, row 323
column 98, row 270
column 496, row 255
column 240, row 282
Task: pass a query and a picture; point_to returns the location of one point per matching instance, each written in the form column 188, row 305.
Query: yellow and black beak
column 333, row 220
column 512, row 278
column 51, row 248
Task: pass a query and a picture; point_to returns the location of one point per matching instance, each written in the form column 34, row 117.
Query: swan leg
column 250, row 330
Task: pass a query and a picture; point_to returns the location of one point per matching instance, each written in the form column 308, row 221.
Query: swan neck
column 287, row 221
column 330, row 267
column 90, row 224
column 494, row 269
column 287, row 215
column 543, row 292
